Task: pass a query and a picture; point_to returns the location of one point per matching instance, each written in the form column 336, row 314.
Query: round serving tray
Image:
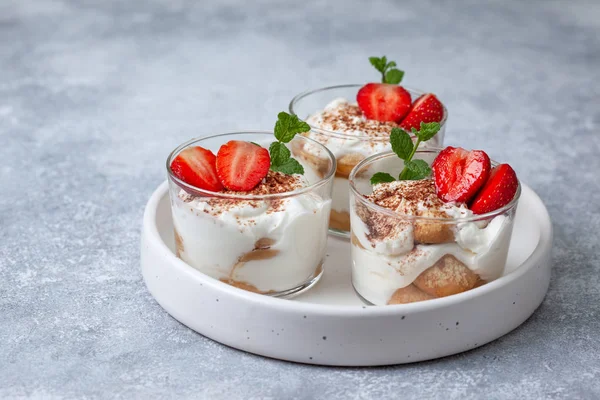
column 329, row 325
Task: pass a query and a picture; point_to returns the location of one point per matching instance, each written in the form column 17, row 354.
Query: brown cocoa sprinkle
column 349, row 117
column 404, row 198
column 273, row 183
column 185, row 197
column 413, row 198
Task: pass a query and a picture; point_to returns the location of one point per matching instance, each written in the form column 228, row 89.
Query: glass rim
column 392, row 213
column 341, row 135
column 272, row 196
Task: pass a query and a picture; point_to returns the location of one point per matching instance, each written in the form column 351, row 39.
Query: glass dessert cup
column 349, row 148
column 399, row 259
column 271, row 244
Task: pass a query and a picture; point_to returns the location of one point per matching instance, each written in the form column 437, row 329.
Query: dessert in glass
column 354, row 122
column 253, row 218
column 441, row 228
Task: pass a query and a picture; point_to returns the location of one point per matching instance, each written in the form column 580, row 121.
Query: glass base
column 288, row 294
column 367, row 302
column 339, row 233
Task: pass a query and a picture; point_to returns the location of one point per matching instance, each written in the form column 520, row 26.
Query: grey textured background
column 94, row 94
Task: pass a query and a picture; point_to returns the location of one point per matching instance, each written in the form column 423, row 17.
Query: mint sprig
column 403, row 146
column 286, row 127
column 389, row 72
column 381, row 177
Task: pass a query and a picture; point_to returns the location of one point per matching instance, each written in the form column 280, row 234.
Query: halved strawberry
column 383, row 102
column 498, row 191
column 242, row 165
column 427, row 108
column 196, row 166
column 459, row 173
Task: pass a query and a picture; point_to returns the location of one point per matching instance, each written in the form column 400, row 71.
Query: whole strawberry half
column 427, row 108
column 196, row 166
column 498, row 191
column 242, row 165
column 459, row 173
column 383, row 102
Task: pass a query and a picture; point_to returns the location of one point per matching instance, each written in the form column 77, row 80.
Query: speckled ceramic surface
column 328, row 325
column 95, row 93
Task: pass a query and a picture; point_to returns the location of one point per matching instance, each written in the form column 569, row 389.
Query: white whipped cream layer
column 214, row 240
column 341, row 146
column 356, row 142
column 390, row 264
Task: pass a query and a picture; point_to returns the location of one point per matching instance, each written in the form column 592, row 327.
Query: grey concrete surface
column 94, row 94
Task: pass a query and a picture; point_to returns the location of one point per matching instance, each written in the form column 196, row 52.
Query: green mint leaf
column 428, row 130
column 414, row 170
column 256, row 144
column 381, row 177
column 394, row 76
column 287, row 126
column 279, row 154
column 377, row 63
column 408, row 175
column 290, row 167
column 401, row 143
column 389, row 72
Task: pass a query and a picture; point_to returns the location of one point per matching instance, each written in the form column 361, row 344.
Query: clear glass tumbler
column 400, row 259
column 271, row 244
column 349, row 148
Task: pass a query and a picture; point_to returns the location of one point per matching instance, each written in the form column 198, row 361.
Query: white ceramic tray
column 329, row 325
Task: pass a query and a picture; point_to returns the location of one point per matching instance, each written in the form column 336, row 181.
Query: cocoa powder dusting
column 414, row 198
column 273, row 183
column 409, row 198
column 349, row 117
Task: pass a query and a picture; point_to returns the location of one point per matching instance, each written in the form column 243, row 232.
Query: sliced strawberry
column 427, row 108
column 498, row 191
column 459, row 173
column 242, row 165
column 196, row 166
column 383, row 102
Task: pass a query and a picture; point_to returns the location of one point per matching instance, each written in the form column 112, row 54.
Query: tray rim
column 543, row 246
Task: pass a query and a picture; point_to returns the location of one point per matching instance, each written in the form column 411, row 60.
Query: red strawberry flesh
column 242, row 165
column 196, row 166
column 498, row 191
column 383, row 102
column 427, row 108
column 459, row 173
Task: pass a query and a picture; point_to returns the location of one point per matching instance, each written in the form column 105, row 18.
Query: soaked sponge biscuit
column 346, row 163
column 446, row 277
column 408, row 294
column 339, row 220
column 432, row 232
